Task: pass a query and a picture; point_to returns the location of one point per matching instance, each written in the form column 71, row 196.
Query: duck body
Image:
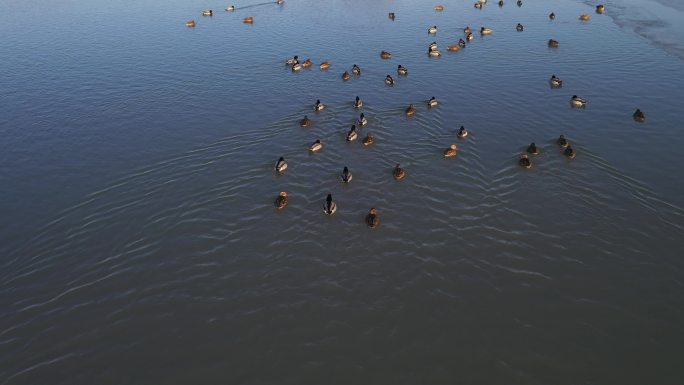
column 486, row 31
column 451, row 151
column 462, row 132
column 519, row 3
column 519, row 27
column 639, row 116
column 600, row 8
column 478, row 5
column 318, row 106
column 329, row 207
column 410, row 110
column 432, row 30
column 316, row 146
column 532, row 149
column 469, row 37
column 385, row 55
column 432, row 102
column 389, row 81
column 454, row 47
column 358, row 103
column 524, row 161
column 555, row 82
column 281, row 200
column 467, row 30
column 306, row 122
column 362, row 121
column 372, row 219
column 190, row 23
column 368, row 140
column 398, row 172
column 501, row 3
column 346, row 175
column 585, row 17
column 346, row 76
column 352, row 135
column 325, row 65
column 296, row 67
column 248, row 20
column 434, row 53
column 578, row 102
column 569, row 152
column 402, row 70
column 439, row 8
column 230, row 8
column 280, row 2
column 356, row 70
column 208, row 12
column 307, row 63
column 562, row 141
column 553, row 43
column 281, row 165
column 552, row 16
column 391, row 16
column 293, row 60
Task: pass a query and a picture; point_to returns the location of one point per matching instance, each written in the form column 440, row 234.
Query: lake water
column 140, row 243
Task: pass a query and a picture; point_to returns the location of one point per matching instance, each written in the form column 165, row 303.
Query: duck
column 555, row 82
column 190, row 23
column 358, row 103
column 307, row 63
column 402, row 70
column 369, row 139
column 486, row 31
column 208, row 12
column 391, row 15
column 600, row 8
column 639, row 116
column 346, row 175
column 432, row 46
column 318, row 106
column 519, row 3
column 524, row 161
column 230, row 8
column 281, row 165
column 451, row 151
column 434, row 53
column 585, row 17
column 562, row 141
column 432, row 102
column 469, row 37
column 281, row 200
column 569, row 152
column 306, row 122
column 501, row 3
column 462, row 132
column 454, row 47
column 362, row 121
column 293, row 60
column 356, row 70
column 519, row 27
column 296, row 67
column 389, row 81
column 467, row 30
column 352, row 135
column 398, row 172
column 346, row 76
column 329, row 207
column 248, row 20
column 532, row 149
column 432, row 30
column 439, row 8
column 372, row 219
column 316, row 146
column 576, row 101
column 553, row 43
column 325, row 65
column 478, row 5
column 385, row 55
column 280, row 2
column 410, row 110
column 552, row 16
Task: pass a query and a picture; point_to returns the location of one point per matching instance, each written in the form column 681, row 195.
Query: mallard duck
column 281, row 200
column 316, row 146
column 346, row 76
column 248, row 20
column 600, row 8
column 389, row 81
column 576, row 101
column 501, row 3
column 280, row 2
column 486, row 31
column 434, row 53
column 555, row 82
column 372, row 219
column 346, row 175
column 524, row 161
column 230, row 8
column 562, row 141
column 462, row 42
column 329, row 207
column 432, row 46
column 467, row 30
column 358, row 103
column 190, row 23
column 462, row 132
column 402, row 70
column 296, row 67
column 451, row 151
column 519, row 3
column 293, row 60
column 432, row 102
column 398, row 172
column 325, row 65
column 306, row 122
column 356, row 70
column 639, row 116
column 391, row 15
column 368, row 140
column 454, row 47
column 569, row 152
column 362, row 121
column 352, row 135
column 478, row 5
column 208, row 12
column 432, row 30
column 553, row 43
column 469, row 37
column 318, row 106
column 307, row 63
column 281, row 165
column 552, row 16
column 585, row 17
column 439, row 8
column 385, row 55
column 410, row 110
column 532, row 149
column 519, row 27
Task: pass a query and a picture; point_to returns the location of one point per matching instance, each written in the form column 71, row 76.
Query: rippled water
column 140, row 243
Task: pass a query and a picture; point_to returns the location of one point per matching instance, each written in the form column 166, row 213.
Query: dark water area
column 140, row 243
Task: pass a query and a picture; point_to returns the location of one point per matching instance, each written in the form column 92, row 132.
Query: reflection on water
column 142, row 244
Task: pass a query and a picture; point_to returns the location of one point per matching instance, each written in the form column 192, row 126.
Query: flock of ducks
column 230, row 8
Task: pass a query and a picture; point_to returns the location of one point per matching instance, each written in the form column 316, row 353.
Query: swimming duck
column 432, row 46
column 600, row 8
column 318, row 106
column 439, row 8
column 230, row 8
column 346, row 175
column 316, row 146
column 296, row 67
column 519, row 27
column 501, row 3
column 208, row 12
column 281, row 200
column 307, row 63
column 352, row 135
column 478, row 5
column 532, row 149
column 190, row 23
column 402, row 70
column 576, row 101
column 585, row 17
column 462, row 42
column 398, row 172
column 524, row 161
column 469, row 37
column 346, row 76
column 280, row 2
column 281, row 165
column 555, row 82
column 410, row 110
column 562, row 141
column 467, row 30
column 569, row 152
column 451, row 151
column 325, row 65
column 486, row 31
column 306, row 122
column 462, row 132
column 434, row 53
column 358, row 103
column 639, row 116
column 432, row 102
column 248, row 20
column 454, row 47
column 385, row 55
column 552, row 16
column 432, row 30
column 553, row 43
column 389, row 81
column 519, row 3
column 391, row 15
column 372, row 219
column 356, row 70
column 368, row 140
column 329, row 207
column 292, row 61
column 362, row 121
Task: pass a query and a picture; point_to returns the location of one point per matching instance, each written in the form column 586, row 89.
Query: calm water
column 140, row 244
